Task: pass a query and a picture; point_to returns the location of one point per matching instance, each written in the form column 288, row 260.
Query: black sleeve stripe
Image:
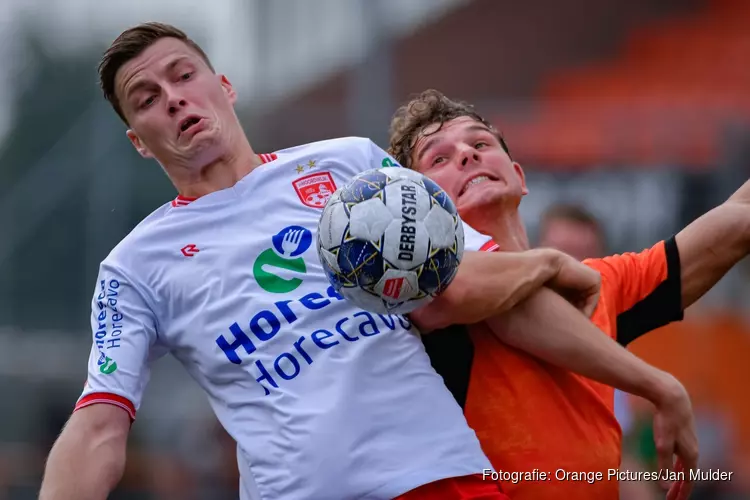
column 660, row 307
column 451, row 353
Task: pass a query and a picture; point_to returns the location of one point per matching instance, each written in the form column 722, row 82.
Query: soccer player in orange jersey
column 528, row 413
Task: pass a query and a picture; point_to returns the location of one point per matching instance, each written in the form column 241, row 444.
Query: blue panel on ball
column 360, row 262
column 363, row 186
column 440, row 196
column 438, row 272
column 337, row 280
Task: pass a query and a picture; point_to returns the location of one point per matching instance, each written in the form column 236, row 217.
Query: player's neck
column 223, row 173
column 509, row 233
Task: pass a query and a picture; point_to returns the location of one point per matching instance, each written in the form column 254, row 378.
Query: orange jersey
column 531, row 415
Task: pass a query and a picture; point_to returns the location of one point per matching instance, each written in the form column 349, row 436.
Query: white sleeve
column 474, row 241
column 124, row 343
column 379, row 157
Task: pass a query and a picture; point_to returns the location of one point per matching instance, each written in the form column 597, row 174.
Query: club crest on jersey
column 314, row 190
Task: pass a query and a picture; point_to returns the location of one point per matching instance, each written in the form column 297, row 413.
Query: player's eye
column 186, row 76
column 480, row 145
column 437, row 160
column 148, row 101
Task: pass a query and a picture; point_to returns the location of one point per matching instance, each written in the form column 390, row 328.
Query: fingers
column 591, row 302
column 680, row 490
column 664, row 451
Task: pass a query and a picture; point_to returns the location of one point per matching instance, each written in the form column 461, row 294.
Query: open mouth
column 475, row 181
column 188, row 122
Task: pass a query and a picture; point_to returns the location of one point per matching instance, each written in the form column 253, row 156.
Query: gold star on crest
column 300, row 169
column 311, row 164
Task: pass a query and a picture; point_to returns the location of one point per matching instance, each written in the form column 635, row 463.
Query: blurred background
column 636, row 111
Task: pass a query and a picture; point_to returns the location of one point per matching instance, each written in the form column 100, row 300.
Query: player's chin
column 481, row 199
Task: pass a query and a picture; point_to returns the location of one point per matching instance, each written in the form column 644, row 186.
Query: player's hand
column 680, row 490
column 675, row 437
column 578, row 283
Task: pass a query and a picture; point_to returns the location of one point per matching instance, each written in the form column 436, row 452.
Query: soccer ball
column 390, row 240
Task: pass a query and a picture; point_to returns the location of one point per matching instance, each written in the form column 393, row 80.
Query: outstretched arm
column 488, row 284
column 713, row 243
column 547, row 327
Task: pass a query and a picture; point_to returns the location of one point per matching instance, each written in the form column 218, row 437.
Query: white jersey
column 325, row 401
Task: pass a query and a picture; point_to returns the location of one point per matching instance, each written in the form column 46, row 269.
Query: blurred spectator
column 572, row 229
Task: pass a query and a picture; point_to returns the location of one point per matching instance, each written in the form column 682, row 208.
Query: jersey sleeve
column 378, row 157
column 474, row 241
column 643, row 288
column 124, row 343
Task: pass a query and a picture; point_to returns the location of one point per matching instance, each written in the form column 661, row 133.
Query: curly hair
column 428, row 108
column 129, row 45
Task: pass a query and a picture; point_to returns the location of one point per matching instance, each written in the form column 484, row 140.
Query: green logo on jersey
column 387, row 162
column 108, row 366
column 275, row 268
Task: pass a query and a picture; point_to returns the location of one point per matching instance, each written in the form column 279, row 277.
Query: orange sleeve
column 644, row 289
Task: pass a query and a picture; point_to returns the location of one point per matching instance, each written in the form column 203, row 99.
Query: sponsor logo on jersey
column 279, row 269
column 106, row 364
column 314, row 190
column 305, row 342
column 388, row 162
column 110, row 321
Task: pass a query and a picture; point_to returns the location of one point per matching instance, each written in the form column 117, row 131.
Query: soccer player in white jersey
column 324, row 400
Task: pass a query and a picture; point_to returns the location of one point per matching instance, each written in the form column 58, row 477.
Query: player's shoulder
column 348, row 148
column 129, row 254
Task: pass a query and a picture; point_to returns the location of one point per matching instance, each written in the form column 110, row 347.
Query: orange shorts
column 457, row 488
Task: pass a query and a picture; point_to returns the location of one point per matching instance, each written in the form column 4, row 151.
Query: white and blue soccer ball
column 390, row 240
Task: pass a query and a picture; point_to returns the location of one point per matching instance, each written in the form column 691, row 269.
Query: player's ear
column 227, row 86
column 138, row 145
column 521, row 177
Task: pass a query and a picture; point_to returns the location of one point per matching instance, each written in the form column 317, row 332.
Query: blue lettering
column 112, row 303
column 113, row 343
column 100, row 334
column 298, row 346
column 258, row 330
column 240, row 339
column 100, row 297
column 100, row 344
column 117, row 317
column 318, row 336
column 404, row 322
column 331, row 292
column 116, row 333
column 390, row 322
column 100, row 304
column 292, row 360
column 309, row 301
column 264, row 375
column 342, row 332
column 370, row 322
column 102, row 316
column 286, row 311
column 114, row 284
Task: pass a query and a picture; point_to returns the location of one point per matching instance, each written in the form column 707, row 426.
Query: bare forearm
column 712, row 245
column 83, row 467
column 549, row 328
column 488, row 284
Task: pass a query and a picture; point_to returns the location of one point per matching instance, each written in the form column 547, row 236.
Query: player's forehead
column 446, row 133
column 156, row 59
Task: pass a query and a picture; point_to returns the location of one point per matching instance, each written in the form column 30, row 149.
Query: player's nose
column 468, row 157
column 175, row 102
